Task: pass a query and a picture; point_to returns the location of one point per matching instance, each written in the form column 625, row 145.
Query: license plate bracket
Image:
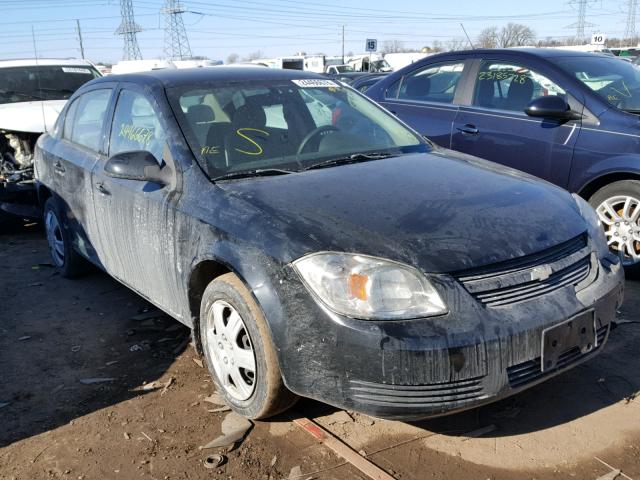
column 578, row 331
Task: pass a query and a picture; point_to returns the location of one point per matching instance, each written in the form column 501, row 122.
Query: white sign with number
column 598, row 39
column 372, row 45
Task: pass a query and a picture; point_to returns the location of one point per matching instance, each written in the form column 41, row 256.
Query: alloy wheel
column 620, row 216
column 54, row 238
column 231, row 351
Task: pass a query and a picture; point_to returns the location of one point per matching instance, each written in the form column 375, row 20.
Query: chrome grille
column 529, row 277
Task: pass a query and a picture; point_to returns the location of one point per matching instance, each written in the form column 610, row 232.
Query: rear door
column 137, row 227
column 72, row 159
column 495, row 127
column 427, row 99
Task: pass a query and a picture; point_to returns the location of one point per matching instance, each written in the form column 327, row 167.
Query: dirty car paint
column 445, row 214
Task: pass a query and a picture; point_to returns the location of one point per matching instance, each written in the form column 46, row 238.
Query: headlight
column 369, row 288
column 596, row 231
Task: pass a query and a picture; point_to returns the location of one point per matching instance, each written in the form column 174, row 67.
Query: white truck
column 32, row 94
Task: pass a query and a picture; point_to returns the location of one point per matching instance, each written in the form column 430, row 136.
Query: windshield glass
column 286, row 124
column 344, row 68
column 616, row 81
column 50, row 82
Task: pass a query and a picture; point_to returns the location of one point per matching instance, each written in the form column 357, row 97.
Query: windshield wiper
column 354, row 158
column 22, row 94
column 259, row 172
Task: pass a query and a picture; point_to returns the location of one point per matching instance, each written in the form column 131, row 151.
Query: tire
column 64, row 257
column 227, row 343
column 609, row 202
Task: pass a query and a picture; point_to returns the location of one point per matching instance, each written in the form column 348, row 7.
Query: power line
column 128, row 29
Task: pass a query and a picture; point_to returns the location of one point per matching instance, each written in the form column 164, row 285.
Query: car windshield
column 344, row 68
column 616, row 81
column 45, row 82
column 287, row 125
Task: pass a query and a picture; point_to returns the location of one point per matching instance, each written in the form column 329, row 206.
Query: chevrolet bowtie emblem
column 541, row 273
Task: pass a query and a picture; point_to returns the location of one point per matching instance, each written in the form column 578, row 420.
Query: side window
column 507, row 86
column 136, row 126
column 88, row 118
column 393, row 89
column 68, row 120
column 435, row 83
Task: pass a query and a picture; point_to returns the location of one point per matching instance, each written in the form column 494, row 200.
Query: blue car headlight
column 595, row 229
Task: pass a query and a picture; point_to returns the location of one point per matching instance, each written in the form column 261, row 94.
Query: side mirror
column 136, row 165
column 551, row 106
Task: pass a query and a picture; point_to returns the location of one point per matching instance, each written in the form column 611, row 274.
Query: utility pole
column 630, row 30
column 80, row 38
column 176, row 42
column 343, row 44
column 128, row 29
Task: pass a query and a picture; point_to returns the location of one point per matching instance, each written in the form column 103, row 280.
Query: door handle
column 57, row 166
column 101, row 189
column 468, row 129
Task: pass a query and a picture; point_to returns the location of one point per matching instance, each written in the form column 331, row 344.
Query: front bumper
column 429, row 367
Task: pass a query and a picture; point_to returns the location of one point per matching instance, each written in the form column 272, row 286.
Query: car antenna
column 35, row 52
column 465, row 32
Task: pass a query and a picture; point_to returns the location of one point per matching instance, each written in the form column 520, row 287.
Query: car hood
column 441, row 211
column 33, row 117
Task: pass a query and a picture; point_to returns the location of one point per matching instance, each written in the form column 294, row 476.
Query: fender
column 620, row 165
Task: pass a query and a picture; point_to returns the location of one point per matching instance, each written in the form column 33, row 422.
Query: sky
column 218, row 28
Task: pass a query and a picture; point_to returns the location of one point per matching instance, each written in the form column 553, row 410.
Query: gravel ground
column 148, row 416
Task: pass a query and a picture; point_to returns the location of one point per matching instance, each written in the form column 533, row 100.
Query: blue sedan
column 568, row 117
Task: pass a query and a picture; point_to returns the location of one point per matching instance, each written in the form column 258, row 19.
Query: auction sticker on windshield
column 315, row 83
column 75, row 70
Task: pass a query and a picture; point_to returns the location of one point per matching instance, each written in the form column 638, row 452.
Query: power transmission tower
column 176, row 42
column 630, row 30
column 582, row 23
column 128, row 29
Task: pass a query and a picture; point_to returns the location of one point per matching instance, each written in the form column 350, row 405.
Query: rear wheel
column 239, row 352
column 64, row 257
column 618, row 206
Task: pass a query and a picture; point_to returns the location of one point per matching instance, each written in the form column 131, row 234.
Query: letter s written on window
column 242, row 132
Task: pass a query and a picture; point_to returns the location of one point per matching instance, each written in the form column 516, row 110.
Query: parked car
column 32, row 93
column 338, row 69
column 568, row 117
column 363, row 83
column 319, row 247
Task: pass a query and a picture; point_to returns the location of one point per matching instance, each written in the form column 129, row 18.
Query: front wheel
column 238, row 350
column 618, row 206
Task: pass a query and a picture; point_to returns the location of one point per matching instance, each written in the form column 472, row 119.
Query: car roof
column 32, row 62
column 527, row 51
column 188, row 76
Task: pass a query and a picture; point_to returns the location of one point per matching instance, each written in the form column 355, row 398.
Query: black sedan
column 319, row 247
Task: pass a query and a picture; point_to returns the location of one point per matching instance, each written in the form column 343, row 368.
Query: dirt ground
column 148, row 417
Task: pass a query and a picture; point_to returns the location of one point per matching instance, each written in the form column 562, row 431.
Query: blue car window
column 435, row 83
column 506, row 86
column 615, row 81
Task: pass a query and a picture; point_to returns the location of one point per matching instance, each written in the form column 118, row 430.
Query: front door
column 137, row 228
column 495, row 126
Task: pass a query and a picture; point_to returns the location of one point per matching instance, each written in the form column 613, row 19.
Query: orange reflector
column 358, row 286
